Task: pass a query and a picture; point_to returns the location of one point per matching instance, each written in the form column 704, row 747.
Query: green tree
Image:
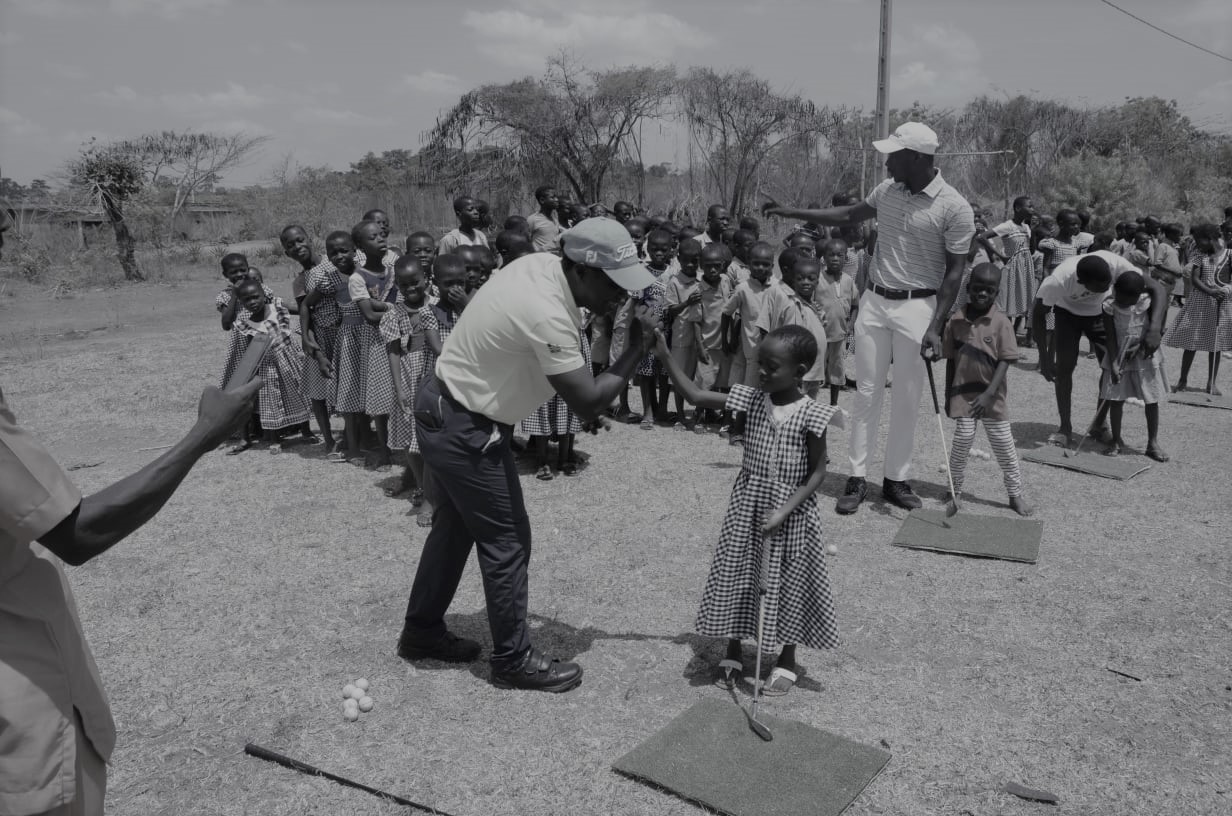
column 113, row 174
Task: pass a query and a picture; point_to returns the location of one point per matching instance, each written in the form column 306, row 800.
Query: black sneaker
column 901, row 494
column 448, row 647
column 536, row 672
column 849, row 502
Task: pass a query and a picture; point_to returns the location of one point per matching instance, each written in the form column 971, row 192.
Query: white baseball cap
column 910, row 136
column 605, row 244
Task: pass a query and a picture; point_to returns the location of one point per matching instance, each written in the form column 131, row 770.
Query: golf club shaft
column 945, row 448
column 252, row 749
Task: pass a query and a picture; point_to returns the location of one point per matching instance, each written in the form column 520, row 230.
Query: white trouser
column 884, row 329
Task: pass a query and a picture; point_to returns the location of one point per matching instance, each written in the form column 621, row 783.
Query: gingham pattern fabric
column 408, row 327
column 281, row 402
column 223, row 299
column 554, row 418
column 654, row 297
column 799, row 608
column 379, row 396
column 326, row 315
column 1203, row 323
column 1000, row 439
column 355, row 338
column 235, row 345
column 1017, row 293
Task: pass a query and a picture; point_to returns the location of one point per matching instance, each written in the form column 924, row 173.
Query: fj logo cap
column 910, row 136
column 604, row 243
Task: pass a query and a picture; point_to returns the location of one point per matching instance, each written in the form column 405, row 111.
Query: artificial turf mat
column 1121, row 468
column 710, row 756
column 1201, row 398
column 1011, row 539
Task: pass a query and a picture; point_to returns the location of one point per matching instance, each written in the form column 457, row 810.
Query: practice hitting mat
column 1010, row 539
column 1200, row 398
column 710, row 756
column 1123, row 467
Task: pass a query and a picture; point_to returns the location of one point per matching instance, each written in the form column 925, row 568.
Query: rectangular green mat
column 1201, row 399
column 1011, row 539
column 710, row 756
column 1122, row 468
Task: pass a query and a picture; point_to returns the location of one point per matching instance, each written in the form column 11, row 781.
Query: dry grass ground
column 270, row 581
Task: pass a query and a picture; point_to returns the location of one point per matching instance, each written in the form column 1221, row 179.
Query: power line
column 1168, row 33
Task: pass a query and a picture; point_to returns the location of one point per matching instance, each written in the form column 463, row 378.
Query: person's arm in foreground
column 930, row 348
column 830, row 216
column 110, row 515
column 817, row 474
column 588, row 395
column 712, row 400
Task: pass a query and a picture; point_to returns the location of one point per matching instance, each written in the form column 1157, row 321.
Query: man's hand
column 768, row 205
column 221, row 412
column 1150, row 342
column 930, row 346
column 660, row 345
column 643, row 327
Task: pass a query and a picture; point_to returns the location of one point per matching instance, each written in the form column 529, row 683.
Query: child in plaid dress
column 772, row 505
column 372, row 288
column 355, row 337
column 280, row 401
column 555, row 420
column 1128, row 373
column 648, row 370
column 1204, row 323
column 297, row 246
column 235, row 269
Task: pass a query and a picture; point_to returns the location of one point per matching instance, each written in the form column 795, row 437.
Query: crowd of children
column 753, row 340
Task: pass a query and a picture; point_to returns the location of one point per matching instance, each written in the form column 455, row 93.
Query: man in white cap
column 924, row 230
column 517, row 344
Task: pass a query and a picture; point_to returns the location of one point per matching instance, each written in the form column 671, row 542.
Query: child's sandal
column 545, row 474
column 780, row 682
column 240, row 448
column 729, row 671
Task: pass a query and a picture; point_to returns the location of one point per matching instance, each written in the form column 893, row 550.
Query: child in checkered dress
column 773, row 505
column 235, row 269
column 281, row 403
column 372, row 288
column 555, row 420
column 355, row 337
column 1204, row 323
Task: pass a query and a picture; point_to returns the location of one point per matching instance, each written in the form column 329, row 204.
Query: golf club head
column 951, row 508
column 758, row 728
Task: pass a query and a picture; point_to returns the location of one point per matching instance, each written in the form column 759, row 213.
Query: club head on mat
column 758, row 728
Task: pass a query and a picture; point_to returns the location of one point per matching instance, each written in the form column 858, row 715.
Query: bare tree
column 737, row 121
column 112, row 174
column 572, row 122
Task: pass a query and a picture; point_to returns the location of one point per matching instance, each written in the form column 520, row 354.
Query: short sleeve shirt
column 46, row 669
column 781, row 306
column 544, row 233
column 456, row 238
column 676, row 292
column 916, row 230
column 745, row 303
column 835, row 299
column 520, row 328
column 977, row 347
column 714, row 298
column 1062, row 289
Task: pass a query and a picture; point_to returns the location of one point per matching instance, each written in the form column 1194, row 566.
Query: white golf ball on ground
column 832, row 549
column 350, row 714
column 361, row 684
column 348, row 691
column 356, row 692
column 365, row 703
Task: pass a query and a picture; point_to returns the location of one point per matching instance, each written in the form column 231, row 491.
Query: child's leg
column 646, row 386
column 664, row 391
column 964, row 435
column 1212, row 374
column 320, row 411
column 1187, row 358
column 353, row 431
column 787, row 657
column 1116, row 410
column 564, row 455
column 539, row 444
column 734, row 650
column 1001, row 440
column 1153, row 448
column 381, row 421
column 834, row 389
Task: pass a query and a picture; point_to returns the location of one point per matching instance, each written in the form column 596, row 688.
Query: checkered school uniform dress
column 1203, row 323
column 234, row 349
column 799, row 608
column 1017, row 295
column 326, row 316
column 1060, row 252
column 355, row 338
column 554, row 418
column 652, row 296
column 379, row 396
column 280, row 402
column 409, row 328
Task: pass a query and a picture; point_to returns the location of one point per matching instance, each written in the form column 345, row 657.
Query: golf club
column 951, row 508
column 762, row 583
column 252, row 749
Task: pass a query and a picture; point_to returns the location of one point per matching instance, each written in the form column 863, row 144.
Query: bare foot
column 240, row 448
column 1113, row 449
column 425, row 515
column 1153, row 451
column 1021, row 506
column 1180, row 386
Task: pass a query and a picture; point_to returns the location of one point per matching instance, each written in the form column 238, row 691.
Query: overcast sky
column 331, row 81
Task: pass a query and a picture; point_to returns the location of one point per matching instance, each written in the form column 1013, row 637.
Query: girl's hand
column 660, row 348
column 773, row 522
column 981, row 404
column 1115, row 374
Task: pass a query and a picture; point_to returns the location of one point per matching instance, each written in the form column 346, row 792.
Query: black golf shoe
column 853, row 495
column 901, row 494
column 537, row 672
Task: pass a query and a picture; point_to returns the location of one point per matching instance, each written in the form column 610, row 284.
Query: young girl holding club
column 1128, row 374
column 773, row 505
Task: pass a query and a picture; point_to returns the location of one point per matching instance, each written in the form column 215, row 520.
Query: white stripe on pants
column 1002, row 442
column 886, row 328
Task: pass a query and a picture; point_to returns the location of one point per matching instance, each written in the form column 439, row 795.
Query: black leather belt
column 901, row 294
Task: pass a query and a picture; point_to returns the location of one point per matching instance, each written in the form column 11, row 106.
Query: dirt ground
column 268, row 582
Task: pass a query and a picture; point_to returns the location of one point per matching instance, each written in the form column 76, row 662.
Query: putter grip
column 932, row 386
column 252, row 749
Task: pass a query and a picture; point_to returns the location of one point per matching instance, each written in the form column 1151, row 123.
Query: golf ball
column 356, row 693
column 350, row 714
column 943, row 468
column 348, row 691
column 832, row 549
column 365, row 704
column 361, row 684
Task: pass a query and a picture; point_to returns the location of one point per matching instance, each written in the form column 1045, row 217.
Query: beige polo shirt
column 916, row 230
column 46, row 670
column 520, row 328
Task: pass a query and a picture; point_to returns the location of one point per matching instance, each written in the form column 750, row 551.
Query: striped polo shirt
column 915, row 230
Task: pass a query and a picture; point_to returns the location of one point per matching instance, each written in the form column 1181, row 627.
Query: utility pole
column 883, row 73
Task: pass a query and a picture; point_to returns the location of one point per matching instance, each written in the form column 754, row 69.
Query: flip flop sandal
column 729, row 671
column 647, row 424
column 424, row 519
column 275, row 448
column 394, row 492
column 779, row 682
column 240, row 448
column 1058, row 438
column 417, row 497
column 545, row 474
column 337, row 457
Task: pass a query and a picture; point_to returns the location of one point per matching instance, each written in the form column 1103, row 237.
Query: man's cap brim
column 890, row 145
column 632, row 278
